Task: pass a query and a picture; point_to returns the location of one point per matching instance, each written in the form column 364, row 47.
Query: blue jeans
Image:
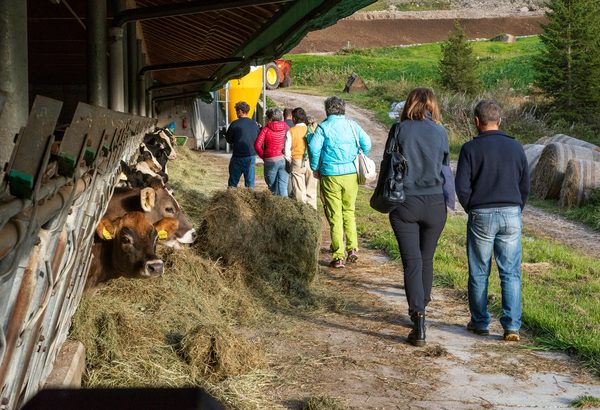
column 239, row 166
column 496, row 230
column 276, row 177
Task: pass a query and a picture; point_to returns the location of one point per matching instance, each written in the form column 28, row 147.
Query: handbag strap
column 355, row 137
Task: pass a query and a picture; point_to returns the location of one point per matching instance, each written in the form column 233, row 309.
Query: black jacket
column 492, row 172
column 241, row 134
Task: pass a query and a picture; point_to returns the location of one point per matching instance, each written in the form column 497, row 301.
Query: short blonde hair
column 419, row 103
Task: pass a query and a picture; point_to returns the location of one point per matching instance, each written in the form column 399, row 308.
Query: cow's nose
column 154, row 267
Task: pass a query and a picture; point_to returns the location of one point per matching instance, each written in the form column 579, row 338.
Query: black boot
column 416, row 337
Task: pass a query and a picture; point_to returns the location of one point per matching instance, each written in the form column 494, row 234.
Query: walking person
column 304, row 183
column 492, row 184
column 269, row 146
column 242, row 134
column 332, row 151
column 419, row 221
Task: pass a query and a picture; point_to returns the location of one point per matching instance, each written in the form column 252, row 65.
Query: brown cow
column 157, row 203
column 125, row 246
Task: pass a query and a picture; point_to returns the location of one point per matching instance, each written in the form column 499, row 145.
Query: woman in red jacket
column 269, row 146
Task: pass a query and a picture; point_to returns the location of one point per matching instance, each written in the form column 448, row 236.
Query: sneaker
column 337, row 263
column 481, row 332
column 512, row 336
column 352, row 256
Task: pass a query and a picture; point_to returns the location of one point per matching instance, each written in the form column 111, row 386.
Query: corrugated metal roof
column 250, row 32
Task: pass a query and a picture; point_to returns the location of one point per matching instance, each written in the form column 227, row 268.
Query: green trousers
column 339, row 194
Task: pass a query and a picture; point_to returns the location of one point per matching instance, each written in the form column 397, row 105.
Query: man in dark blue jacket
column 242, row 134
column 492, row 184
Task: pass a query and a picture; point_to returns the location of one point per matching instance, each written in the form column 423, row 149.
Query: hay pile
column 271, row 237
column 581, row 177
column 547, row 178
column 183, row 329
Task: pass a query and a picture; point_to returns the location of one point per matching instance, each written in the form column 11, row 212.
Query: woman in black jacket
column 419, row 221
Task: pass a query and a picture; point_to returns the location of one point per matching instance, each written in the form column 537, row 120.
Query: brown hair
column 488, row 111
column 419, row 103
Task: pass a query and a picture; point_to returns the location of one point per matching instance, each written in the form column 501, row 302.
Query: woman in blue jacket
column 332, row 151
column 419, row 221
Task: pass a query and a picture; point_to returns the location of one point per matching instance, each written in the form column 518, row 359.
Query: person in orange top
column 304, row 184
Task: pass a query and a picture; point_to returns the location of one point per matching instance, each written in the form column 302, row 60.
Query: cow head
column 132, row 241
column 147, row 157
column 158, row 203
column 168, row 138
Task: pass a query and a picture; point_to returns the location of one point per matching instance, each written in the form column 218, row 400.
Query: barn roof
column 199, row 43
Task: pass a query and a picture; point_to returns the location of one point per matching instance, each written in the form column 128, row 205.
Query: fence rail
column 52, row 196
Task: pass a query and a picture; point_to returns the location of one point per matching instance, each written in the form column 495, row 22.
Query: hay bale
column 548, row 175
column 533, row 152
column 581, row 177
column 565, row 139
column 217, row 353
column 504, row 38
column 542, row 141
column 270, row 236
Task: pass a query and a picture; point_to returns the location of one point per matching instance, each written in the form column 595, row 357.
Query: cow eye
column 125, row 240
column 169, row 210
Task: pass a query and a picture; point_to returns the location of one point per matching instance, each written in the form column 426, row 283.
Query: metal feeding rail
column 53, row 195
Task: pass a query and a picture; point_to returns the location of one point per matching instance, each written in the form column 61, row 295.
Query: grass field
column 416, row 64
column 560, row 286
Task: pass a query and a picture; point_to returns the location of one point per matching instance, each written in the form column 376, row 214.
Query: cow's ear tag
column 162, row 234
column 106, row 235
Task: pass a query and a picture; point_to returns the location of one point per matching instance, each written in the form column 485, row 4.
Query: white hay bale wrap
column 533, row 152
column 565, row 139
column 549, row 173
column 581, row 177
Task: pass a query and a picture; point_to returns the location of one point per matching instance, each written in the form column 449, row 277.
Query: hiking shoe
column 337, row 263
column 352, row 256
column 512, row 336
column 481, row 332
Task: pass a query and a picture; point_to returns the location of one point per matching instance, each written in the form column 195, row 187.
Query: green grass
column 560, row 286
column 417, row 64
column 586, row 402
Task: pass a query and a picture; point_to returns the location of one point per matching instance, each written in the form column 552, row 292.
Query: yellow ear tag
column 163, row 234
column 106, row 234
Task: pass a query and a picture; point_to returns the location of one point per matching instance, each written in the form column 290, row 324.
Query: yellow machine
column 247, row 88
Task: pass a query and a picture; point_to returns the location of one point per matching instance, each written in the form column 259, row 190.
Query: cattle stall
column 56, row 190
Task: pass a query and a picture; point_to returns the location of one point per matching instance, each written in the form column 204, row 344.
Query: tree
column 568, row 66
column 459, row 66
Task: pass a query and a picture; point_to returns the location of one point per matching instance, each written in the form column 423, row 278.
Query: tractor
column 278, row 74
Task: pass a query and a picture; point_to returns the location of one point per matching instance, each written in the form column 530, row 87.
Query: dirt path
column 360, row 355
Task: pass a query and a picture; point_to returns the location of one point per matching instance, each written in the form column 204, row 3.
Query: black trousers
column 418, row 224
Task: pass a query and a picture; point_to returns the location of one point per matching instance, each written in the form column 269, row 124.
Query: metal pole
column 227, row 113
column 120, row 6
column 97, row 72
column 141, row 89
column 117, row 94
column 132, row 68
column 14, row 86
column 148, row 95
column 264, row 107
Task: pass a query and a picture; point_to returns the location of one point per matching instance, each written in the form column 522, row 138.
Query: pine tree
column 568, row 67
column 459, row 66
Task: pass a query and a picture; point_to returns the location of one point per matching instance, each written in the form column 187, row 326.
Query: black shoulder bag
column 389, row 193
